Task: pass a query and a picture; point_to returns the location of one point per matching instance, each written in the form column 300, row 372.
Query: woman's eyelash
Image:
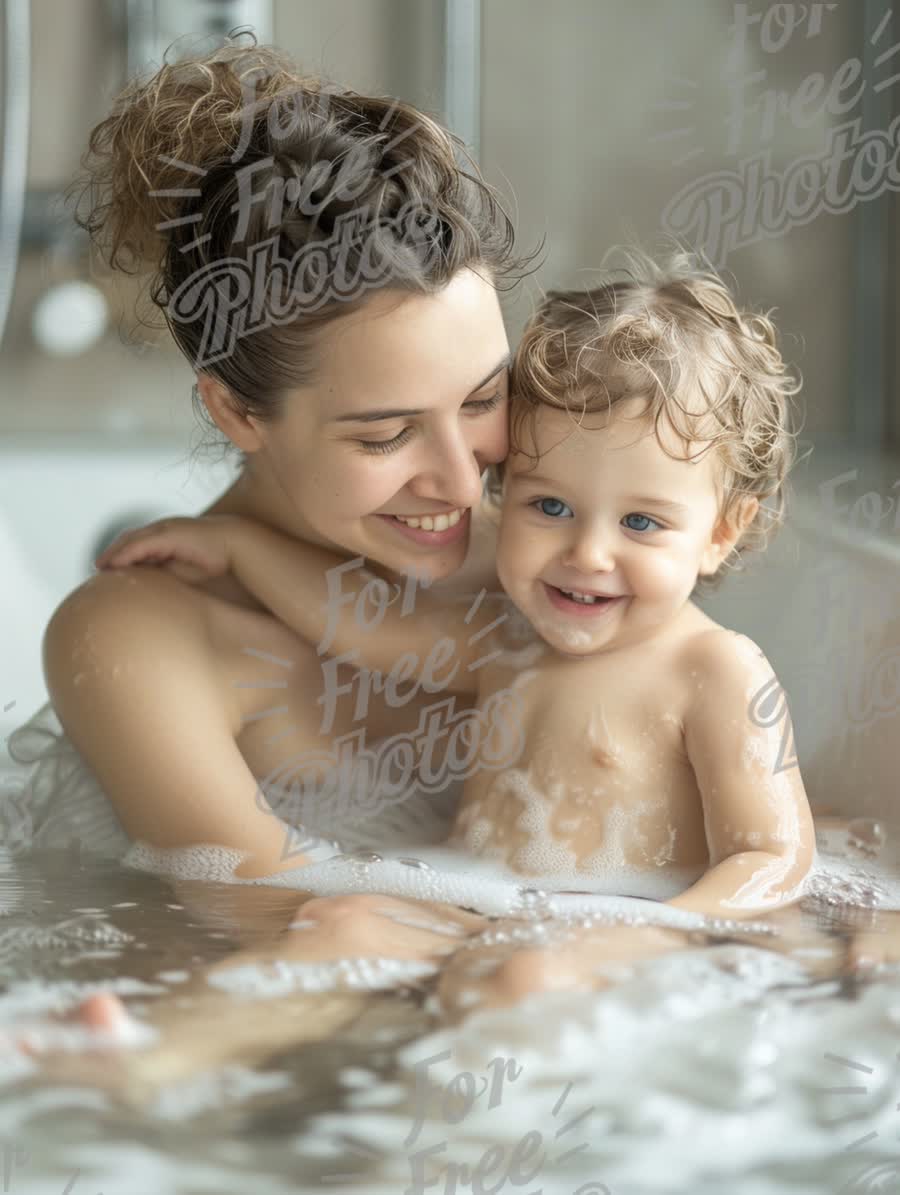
column 483, row 405
column 386, row 445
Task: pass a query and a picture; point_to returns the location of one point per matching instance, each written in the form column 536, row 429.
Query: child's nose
column 590, row 552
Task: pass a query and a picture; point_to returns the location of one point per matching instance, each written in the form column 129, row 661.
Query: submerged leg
column 594, row 959
column 261, row 1000
column 492, row 977
column 368, row 925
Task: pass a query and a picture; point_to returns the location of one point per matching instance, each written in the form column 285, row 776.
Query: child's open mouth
column 585, row 606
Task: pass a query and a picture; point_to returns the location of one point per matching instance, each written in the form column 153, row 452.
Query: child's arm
column 332, row 602
column 759, row 827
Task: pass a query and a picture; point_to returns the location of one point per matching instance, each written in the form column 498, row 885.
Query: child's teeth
column 587, row 599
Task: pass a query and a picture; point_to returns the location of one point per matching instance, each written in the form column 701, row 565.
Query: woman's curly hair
column 672, row 335
column 160, row 192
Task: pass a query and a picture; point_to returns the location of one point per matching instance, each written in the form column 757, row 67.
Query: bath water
column 728, row 1066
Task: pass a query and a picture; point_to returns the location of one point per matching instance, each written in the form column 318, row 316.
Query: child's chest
column 598, row 776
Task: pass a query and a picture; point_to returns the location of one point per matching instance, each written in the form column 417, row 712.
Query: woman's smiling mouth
column 438, row 522
column 435, row 530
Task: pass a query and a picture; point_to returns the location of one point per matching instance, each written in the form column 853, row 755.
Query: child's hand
column 193, row 549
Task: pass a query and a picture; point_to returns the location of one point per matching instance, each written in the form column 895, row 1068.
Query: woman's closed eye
column 477, row 407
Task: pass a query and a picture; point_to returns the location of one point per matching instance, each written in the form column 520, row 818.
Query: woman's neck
column 266, row 503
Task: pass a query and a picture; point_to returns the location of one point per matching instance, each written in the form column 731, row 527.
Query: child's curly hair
column 672, row 335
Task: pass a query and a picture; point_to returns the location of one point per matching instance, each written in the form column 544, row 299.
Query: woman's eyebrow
column 405, row 412
column 484, row 381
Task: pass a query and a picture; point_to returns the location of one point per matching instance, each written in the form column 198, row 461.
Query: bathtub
column 61, row 502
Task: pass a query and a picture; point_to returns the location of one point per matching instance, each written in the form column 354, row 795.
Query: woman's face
column 408, row 410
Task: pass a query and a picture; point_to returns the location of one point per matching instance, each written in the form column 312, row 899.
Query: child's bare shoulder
column 724, row 657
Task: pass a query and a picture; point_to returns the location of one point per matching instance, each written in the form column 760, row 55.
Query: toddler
column 649, row 451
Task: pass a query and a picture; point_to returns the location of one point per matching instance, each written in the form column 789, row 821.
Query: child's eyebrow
column 551, row 481
column 666, row 503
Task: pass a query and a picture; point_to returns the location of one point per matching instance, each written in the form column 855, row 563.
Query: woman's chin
column 399, row 571
column 430, row 564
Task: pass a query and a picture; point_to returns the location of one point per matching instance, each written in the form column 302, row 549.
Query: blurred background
column 601, row 122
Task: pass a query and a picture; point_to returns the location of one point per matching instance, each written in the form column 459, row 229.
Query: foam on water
column 440, row 874
column 212, row 1091
column 283, row 977
column 687, row 1076
column 843, row 875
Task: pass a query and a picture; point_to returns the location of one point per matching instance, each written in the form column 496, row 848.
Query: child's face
column 605, row 510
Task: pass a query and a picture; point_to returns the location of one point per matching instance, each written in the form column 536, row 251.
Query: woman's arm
column 759, row 827
column 332, row 602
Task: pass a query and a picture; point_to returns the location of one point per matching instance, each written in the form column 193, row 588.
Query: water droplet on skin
column 420, row 864
column 363, row 856
column 533, row 902
column 866, row 835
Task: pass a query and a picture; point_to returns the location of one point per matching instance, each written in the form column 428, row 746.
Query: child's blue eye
column 556, row 505
column 644, row 519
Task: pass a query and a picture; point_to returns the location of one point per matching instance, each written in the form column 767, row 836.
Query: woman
column 370, row 393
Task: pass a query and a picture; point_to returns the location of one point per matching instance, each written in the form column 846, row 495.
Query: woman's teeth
column 435, row 523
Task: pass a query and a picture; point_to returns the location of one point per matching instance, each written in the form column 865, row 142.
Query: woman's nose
column 454, row 474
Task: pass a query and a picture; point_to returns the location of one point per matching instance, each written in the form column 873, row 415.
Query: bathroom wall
column 823, row 602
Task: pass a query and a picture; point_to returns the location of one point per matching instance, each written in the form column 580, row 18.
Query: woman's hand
column 193, row 549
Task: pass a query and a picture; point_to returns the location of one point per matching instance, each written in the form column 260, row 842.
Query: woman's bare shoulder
column 132, row 618
column 131, row 596
column 152, row 620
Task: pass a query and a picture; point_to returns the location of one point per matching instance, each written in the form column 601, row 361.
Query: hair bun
column 145, row 163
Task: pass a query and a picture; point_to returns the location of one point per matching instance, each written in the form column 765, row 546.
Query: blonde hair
column 672, row 335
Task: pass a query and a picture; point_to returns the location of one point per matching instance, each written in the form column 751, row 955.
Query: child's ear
column 727, row 533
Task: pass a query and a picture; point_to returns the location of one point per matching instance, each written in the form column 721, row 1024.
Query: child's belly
column 545, row 817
